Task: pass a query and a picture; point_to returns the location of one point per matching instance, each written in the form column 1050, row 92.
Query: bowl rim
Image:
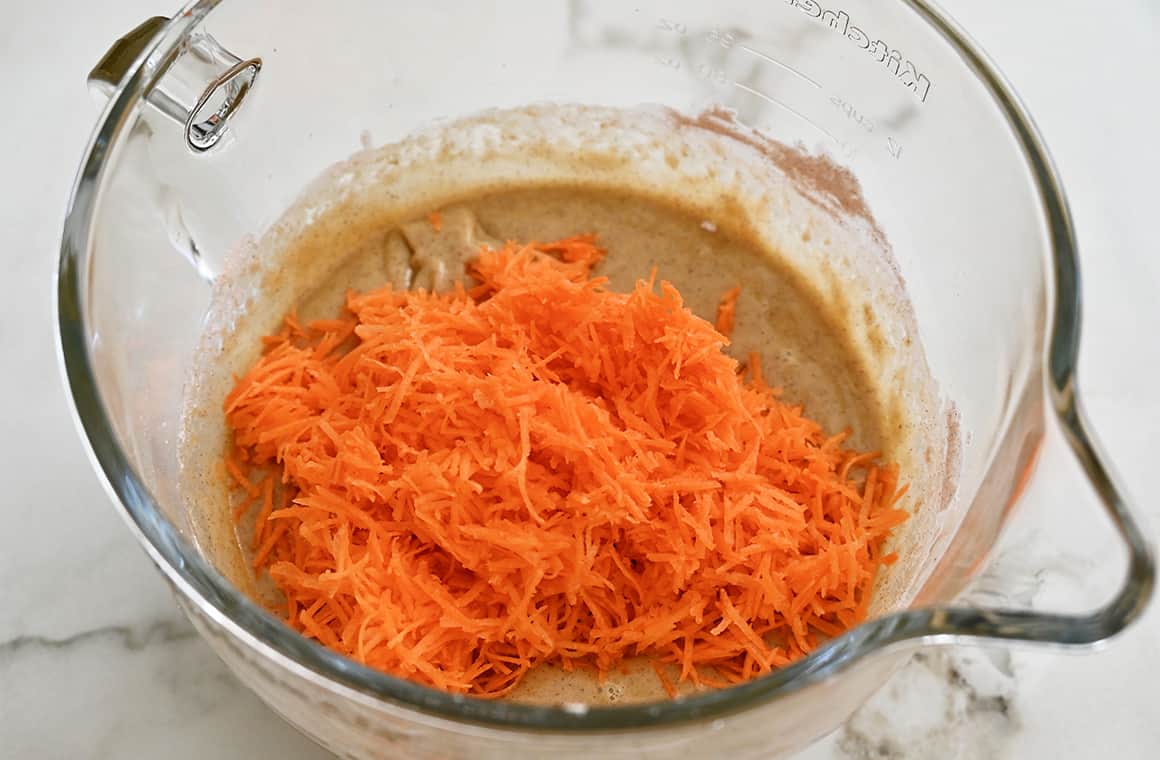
column 226, row 606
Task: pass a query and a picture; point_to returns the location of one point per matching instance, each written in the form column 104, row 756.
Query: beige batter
column 703, row 245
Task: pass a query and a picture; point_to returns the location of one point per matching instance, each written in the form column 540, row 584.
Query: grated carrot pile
column 538, row 470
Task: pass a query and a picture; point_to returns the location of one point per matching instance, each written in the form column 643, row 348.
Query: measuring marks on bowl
column 726, row 59
column 727, row 39
column 794, row 111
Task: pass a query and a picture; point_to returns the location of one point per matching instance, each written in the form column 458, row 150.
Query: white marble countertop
column 96, row 661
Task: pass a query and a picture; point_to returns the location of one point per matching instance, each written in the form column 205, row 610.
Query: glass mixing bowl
column 199, row 148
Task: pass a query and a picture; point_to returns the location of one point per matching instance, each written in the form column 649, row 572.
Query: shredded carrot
column 727, row 312
column 435, row 219
column 536, row 470
column 665, row 681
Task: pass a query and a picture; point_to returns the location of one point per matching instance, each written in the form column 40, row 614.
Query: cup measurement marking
column 717, row 76
column 780, row 64
column 727, row 40
column 668, row 25
column 853, row 114
column 893, row 147
column 792, row 110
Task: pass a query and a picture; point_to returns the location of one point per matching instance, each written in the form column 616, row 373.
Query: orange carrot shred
column 533, row 469
column 241, row 480
column 663, row 677
column 727, row 312
column 435, row 219
column 241, row 508
column 264, row 513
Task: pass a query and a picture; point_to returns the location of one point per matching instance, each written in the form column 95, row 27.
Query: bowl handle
column 203, row 88
column 1071, row 630
column 965, row 625
column 952, row 624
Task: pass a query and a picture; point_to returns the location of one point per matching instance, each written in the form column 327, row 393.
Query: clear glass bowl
column 199, row 148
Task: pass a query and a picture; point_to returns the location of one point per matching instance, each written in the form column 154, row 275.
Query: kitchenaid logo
column 895, row 62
